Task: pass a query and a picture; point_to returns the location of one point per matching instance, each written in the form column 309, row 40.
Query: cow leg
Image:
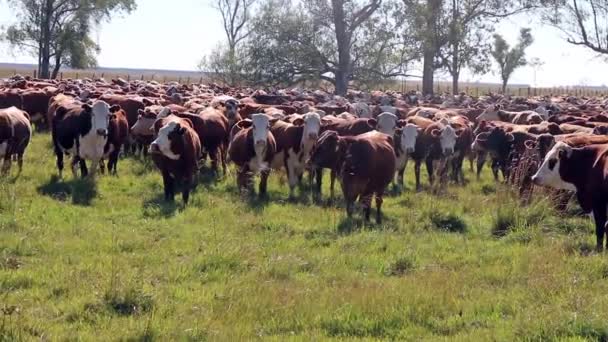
column 481, row 160
column 599, row 216
column 215, row 155
column 241, row 179
column 293, row 179
column 366, row 200
column 495, row 167
column 417, row 174
column 168, row 183
column 84, row 170
column 222, row 152
column 20, row 161
column 59, row 156
column 318, row 175
column 75, row 161
column 471, row 157
column 113, row 162
column 263, row 183
column 102, row 166
column 186, row 190
column 332, row 183
column 430, row 171
column 379, row 208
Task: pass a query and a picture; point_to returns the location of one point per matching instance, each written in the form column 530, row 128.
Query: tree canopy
column 508, row 59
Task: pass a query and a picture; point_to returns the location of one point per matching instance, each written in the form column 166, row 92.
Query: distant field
column 110, row 261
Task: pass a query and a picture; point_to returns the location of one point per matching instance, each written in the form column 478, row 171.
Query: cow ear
column 401, row 123
column 114, row 108
column 298, row 122
column 436, row 133
column 482, row 137
column 458, row 133
column 372, row 123
column 510, row 137
column 530, row 144
column 245, row 123
column 140, row 112
column 87, row 107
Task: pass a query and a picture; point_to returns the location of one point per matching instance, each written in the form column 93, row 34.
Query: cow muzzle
column 154, row 149
column 313, row 136
column 448, row 152
column 536, row 180
column 409, row 150
column 102, row 132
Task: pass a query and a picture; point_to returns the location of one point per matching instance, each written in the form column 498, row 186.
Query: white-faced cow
column 81, row 132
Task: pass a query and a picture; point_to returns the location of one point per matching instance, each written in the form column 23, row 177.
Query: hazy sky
column 175, row 34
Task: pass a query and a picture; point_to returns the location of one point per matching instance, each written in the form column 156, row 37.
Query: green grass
column 110, row 261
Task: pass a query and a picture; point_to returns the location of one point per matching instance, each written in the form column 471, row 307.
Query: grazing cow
column 118, row 133
column 176, row 152
column 366, row 165
column 583, row 170
column 294, row 143
column 83, row 133
column 15, row 135
column 252, row 150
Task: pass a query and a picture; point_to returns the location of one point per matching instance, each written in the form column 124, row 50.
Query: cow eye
column 552, row 163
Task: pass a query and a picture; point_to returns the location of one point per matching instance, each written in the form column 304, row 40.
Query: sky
column 176, row 36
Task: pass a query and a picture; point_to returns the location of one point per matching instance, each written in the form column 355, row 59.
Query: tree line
column 357, row 43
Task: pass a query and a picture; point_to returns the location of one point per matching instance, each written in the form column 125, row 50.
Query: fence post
column 35, row 72
column 142, row 77
column 128, row 77
column 476, row 91
column 188, row 81
column 61, row 76
column 179, row 80
column 201, row 80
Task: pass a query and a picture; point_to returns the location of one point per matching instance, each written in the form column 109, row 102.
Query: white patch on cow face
column 548, row 174
column 100, row 117
column 387, row 123
column 164, row 113
column 312, row 126
column 260, row 128
column 448, row 140
column 408, row 138
column 164, row 143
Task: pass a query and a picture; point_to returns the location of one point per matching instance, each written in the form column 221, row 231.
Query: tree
column 509, row 59
column 454, row 33
column 582, row 21
column 333, row 40
column 57, row 31
column 225, row 62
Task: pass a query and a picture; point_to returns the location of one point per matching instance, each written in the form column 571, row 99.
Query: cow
column 582, row 170
column 15, row 135
column 294, row 143
column 405, row 144
column 252, row 149
column 176, row 151
column 387, row 123
column 230, row 107
column 523, row 118
column 142, row 131
column 366, row 165
column 118, row 133
column 83, row 133
column 348, row 127
column 545, row 142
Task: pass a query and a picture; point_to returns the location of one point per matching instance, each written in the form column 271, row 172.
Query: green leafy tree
column 57, row 31
column 508, row 59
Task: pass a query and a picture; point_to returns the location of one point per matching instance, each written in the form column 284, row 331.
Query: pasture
column 108, row 260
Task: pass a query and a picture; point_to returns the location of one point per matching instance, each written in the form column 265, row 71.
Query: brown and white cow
column 15, row 135
column 294, row 144
column 118, row 133
column 83, row 133
column 176, row 151
column 366, row 165
column 252, row 150
column 405, row 144
column 584, row 171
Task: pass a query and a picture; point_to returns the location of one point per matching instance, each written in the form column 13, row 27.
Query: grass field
column 111, row 261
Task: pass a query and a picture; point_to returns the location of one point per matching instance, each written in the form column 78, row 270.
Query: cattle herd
column 365, row 139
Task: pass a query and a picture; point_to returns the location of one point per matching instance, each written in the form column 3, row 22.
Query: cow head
column 326, row 149
column 447, row 139
column 231, row 107
column 409, row 134
column 100, row 116
column 493, row 141
column 144, row 126
column 312, row 126
column 260, row 126
column 387, row 123
column 544, row 143
column 489, row 114
column 171, row 132
column 549, row 172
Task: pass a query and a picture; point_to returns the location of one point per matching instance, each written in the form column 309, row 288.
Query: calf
column 294, row 143
column 583, row 170
column 15, row 135
column 366, row 165
column 176, row 152
column 252, row 150
column 83, row 133
column 118, row 133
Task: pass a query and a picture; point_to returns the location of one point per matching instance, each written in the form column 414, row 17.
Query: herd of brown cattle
column 365, row 139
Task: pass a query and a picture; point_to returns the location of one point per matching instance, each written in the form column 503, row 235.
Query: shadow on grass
column 157, row 207
column 80, row 191
column 357, row 223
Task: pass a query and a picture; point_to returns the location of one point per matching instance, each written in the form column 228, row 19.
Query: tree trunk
column 428, row 71
column 57, row 65
column 504, row 86
column 455, row 77
column 343, row 38
column 45, row 55
column 455, row 43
